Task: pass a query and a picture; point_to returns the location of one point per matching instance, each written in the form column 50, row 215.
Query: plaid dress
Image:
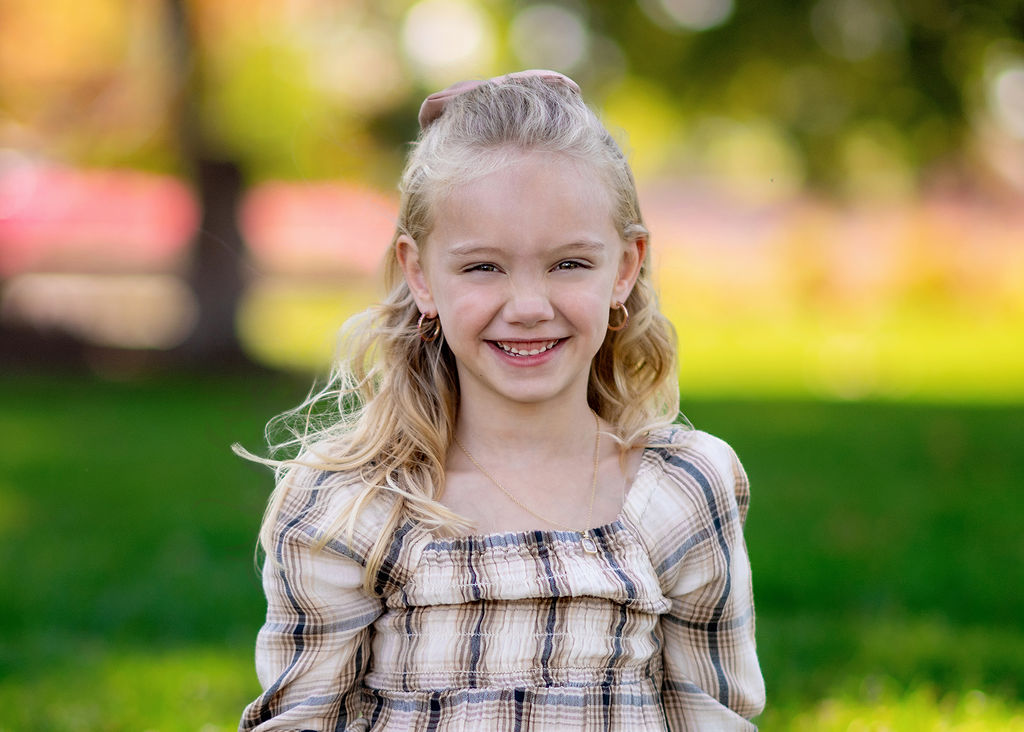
column 519, row 631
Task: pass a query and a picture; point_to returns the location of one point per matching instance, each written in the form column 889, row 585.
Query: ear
column 408, row 254
column 632, row 261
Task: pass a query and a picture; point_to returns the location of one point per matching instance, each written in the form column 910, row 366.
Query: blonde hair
column 387, row 413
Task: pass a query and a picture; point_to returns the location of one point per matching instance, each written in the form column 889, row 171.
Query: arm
column 712, row 680
column 314, row 648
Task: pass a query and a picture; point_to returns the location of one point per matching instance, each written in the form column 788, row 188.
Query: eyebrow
column 475, row 250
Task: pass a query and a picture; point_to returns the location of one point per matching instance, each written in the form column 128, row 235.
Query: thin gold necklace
column 587, row 541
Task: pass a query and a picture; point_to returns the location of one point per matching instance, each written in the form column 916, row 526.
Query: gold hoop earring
column 434, row 323
column 625, row 317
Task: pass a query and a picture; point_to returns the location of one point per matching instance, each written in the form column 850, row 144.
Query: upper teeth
column 509, row 348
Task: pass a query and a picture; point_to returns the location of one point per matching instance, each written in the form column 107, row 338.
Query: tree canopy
column 847, row 96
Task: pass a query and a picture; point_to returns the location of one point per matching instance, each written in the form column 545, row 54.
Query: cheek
column 588, row 309
column 463, row 309
column 598, row 294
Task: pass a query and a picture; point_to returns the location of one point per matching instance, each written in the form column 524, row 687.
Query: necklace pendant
column 589, row 545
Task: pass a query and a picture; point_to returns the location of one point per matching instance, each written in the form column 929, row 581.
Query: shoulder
column 699, row 460
column 682, row 439
column 696, row 494
column 333, row 509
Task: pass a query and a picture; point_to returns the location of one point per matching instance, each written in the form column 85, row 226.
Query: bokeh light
column 60, row 218
column 117, row 311
column 317, row 229
column 875, row 162
column 648, row 124
column 751, row 159
column 1007, row 98
column 447, row 40
column 997, row 118
column 693, row 15
column 856, row 29
column 358, row 65
column 549, row 37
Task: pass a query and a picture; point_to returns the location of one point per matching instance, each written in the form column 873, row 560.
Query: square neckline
column 523, row 536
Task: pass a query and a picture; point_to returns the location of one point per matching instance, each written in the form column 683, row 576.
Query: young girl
column 497, row 526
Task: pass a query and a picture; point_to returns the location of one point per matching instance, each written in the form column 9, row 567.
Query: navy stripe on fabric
column 300, row 616
column 630, row 588
column 342, row 722
column 414, row 639
column 340, row 547
column 322, row 476
column 358, row 621
column 476, row 636
column 474, row 580
column 736, row 622
column 609, row 556
column 475, row 650
column 378, row 707
column 685, row 687
column 311, row 701
column 549, row 628
column 616, row 654
column 712, row 626
column 435, row 712
column 387, row 567
column 674, row 558
column 518, row 696
column 549, row 641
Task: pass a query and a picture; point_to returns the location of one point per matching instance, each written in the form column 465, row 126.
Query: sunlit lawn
column 933, row 352
column 885, row 539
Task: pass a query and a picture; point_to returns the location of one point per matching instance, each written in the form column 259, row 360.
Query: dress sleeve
column 712, row 680
column 314, row 647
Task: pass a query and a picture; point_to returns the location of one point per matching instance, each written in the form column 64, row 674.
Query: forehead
column 527, row 196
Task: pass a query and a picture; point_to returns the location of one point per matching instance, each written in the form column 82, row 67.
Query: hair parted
column 387, row 413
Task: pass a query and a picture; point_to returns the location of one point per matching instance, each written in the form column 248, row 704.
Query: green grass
column 885, row 540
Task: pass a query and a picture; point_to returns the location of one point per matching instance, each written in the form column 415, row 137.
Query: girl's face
column 522, row 267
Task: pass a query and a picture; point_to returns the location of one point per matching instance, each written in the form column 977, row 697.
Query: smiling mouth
column 531, row 348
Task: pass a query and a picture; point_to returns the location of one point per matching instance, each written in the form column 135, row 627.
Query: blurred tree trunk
column 216, row 271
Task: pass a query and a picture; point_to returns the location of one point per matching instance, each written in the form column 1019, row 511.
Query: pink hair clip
column 434, row 105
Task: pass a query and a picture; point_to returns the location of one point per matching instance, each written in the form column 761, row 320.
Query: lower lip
column 533, row 360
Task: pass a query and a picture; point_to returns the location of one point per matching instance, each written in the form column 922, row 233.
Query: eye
column 571, row 264
column 483, row 267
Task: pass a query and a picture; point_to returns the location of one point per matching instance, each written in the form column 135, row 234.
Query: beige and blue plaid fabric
column 520, row 631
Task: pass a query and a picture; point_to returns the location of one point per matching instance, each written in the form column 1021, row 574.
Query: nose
column 528, row 304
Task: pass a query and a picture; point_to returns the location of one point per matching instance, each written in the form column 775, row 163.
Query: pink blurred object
column 59, row 219
column 318, row 228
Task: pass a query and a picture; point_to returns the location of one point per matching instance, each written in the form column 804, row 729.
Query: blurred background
column 194, row 194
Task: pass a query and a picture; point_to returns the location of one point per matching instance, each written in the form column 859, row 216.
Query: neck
column 533, row 428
